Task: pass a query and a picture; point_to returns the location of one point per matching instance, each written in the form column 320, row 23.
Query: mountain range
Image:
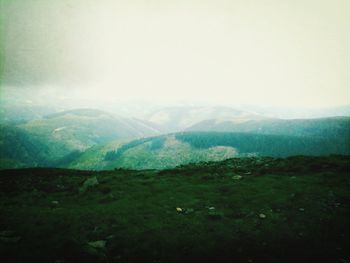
column 94, row 139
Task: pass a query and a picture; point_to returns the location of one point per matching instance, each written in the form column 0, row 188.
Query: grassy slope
column 93, row 158
column 305, row 200
column 80, row 129
column 20, row 149
column 145, row 156
column 168, row 151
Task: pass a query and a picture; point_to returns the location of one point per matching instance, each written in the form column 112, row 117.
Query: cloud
column 258, row 52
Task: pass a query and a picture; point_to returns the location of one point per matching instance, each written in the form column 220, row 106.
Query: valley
column 98, row 140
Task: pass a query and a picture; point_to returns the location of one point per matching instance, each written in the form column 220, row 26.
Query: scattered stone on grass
column 88, row 183
column 301, row 209
column 262, row 216
column 179, row 209
column 237, row 177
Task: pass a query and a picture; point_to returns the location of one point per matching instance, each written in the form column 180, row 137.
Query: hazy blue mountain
column 179, row 118
column 18, row 114
column 82, row 128
column 335, row 127
column 300, row 112
column 58, row 138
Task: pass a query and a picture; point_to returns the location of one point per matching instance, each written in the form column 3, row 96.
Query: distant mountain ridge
column 87, row 138
column 61, row 136
column 173, row 119
column 83, row 128
column 331, row 127
column 83, row 112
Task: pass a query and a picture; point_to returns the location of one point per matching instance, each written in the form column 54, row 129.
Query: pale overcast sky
column 264, row 52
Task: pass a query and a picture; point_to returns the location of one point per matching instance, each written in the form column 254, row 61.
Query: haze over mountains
column 87, row 138
column 174, row 131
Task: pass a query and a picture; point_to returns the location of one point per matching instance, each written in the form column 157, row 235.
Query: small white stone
column 262, row 216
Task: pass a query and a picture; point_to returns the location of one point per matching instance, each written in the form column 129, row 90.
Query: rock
column 211, row 208
column 237, row 177
column 301, row 209
column 98, row 244
column 179, row 209
column 262, row 216
column 89, row 183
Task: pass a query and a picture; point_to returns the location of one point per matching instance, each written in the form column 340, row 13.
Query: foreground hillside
column 238, row 210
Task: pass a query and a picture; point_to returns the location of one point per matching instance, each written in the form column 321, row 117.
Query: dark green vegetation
column 19, row 148
column 267, row 144
column 168, row 151
column 155, row 144
column 238, row 210
column 331, row 128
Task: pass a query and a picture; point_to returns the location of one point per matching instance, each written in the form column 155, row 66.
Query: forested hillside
column 331, row 128
column 168, row 151
column 266, row 144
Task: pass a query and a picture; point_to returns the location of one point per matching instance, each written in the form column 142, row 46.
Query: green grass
column 305, row 201
column 159, row 152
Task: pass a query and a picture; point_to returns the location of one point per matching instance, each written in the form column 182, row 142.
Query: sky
column 257, row 52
